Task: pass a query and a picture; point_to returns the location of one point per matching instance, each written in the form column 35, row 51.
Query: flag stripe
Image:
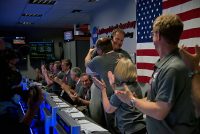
column 193, row 23
column 143, row 79
column 172, row 3
column 195, row 32
column 191, row 14
column 144, row 72
column 148, row 66
column 146, row 45
column 147, row 59
column 149, row 52
column 189, row 42
column 183, row 7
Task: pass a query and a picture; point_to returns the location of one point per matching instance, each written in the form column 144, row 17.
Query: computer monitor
column 49, row 110
column 68, row 36
column 65, row 123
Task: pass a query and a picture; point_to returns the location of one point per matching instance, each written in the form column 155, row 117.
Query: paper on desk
column 91, row 127
column 54, row 96
column 57, row 100
column 35, row 84
column 83, row 121
column 62, row 105
column 77, row 115
column 71, row 110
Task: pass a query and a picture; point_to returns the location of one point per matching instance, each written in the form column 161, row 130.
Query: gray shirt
column 171, row 84
column 128, row 119
column 78, row 86
column 102, row 64
column 84, row 93
column 125, row 54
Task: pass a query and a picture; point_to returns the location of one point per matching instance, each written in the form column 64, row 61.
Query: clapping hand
column 99, row 84
column 125, row 95
column 191, row 60
column 111, row 79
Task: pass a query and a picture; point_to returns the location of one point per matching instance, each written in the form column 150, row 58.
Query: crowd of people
column 108, row 91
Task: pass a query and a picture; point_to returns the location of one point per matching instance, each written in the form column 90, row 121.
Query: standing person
column 117, row 41
column 103, row 45
column 168, row 107
column 101, row 65
column 192, row 61
column 129, row 120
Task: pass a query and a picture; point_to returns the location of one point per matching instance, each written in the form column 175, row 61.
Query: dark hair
column 67, row 62
column 58, row 65
column 77, row 71
column 119, row 30
column 104, row 44
column 85, row 74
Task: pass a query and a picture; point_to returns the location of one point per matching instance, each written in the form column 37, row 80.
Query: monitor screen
column 68, row 36
column 19, row 40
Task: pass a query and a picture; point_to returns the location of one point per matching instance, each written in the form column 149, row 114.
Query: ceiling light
column 93, row 0
column 25, row 23
column 32, row 15
column 45, row 2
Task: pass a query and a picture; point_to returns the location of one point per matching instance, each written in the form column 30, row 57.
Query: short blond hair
column 170, row 27
column 125, row 70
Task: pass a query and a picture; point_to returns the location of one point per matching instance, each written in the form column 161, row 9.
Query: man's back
column 171, row 84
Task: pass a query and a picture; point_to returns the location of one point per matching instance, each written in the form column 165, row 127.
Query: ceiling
column 58, row 15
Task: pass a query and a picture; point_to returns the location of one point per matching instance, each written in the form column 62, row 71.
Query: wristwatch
column 132, row 102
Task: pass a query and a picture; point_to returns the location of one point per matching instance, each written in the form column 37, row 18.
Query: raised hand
column 111, row 78
column 124, row 95
column 99, row 84
column 191, row 60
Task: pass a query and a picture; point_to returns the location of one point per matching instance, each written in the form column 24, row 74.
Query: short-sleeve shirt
column 128, row 119
column 125, row 54
column 102, row 64
column 171, row 84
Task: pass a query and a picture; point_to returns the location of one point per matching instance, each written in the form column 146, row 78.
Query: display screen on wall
column 41, row 50
column 68, row 36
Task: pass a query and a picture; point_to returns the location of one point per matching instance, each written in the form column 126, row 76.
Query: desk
column 64, row 117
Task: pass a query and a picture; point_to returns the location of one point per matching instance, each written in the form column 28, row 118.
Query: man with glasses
column 168, row 107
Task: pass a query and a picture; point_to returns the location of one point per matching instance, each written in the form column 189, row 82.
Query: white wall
column 69, row 51
column 116, row 12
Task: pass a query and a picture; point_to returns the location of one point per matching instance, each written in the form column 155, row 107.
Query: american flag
column 146, row 12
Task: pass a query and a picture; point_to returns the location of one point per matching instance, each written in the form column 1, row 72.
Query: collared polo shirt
column 170, row 83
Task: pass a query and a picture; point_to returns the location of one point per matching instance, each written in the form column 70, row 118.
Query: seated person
column 75, row 74
column 48, row 75
column 128, row 118
column 82, row 98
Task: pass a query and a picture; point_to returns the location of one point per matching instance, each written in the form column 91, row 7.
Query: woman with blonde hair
column 129, row 120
